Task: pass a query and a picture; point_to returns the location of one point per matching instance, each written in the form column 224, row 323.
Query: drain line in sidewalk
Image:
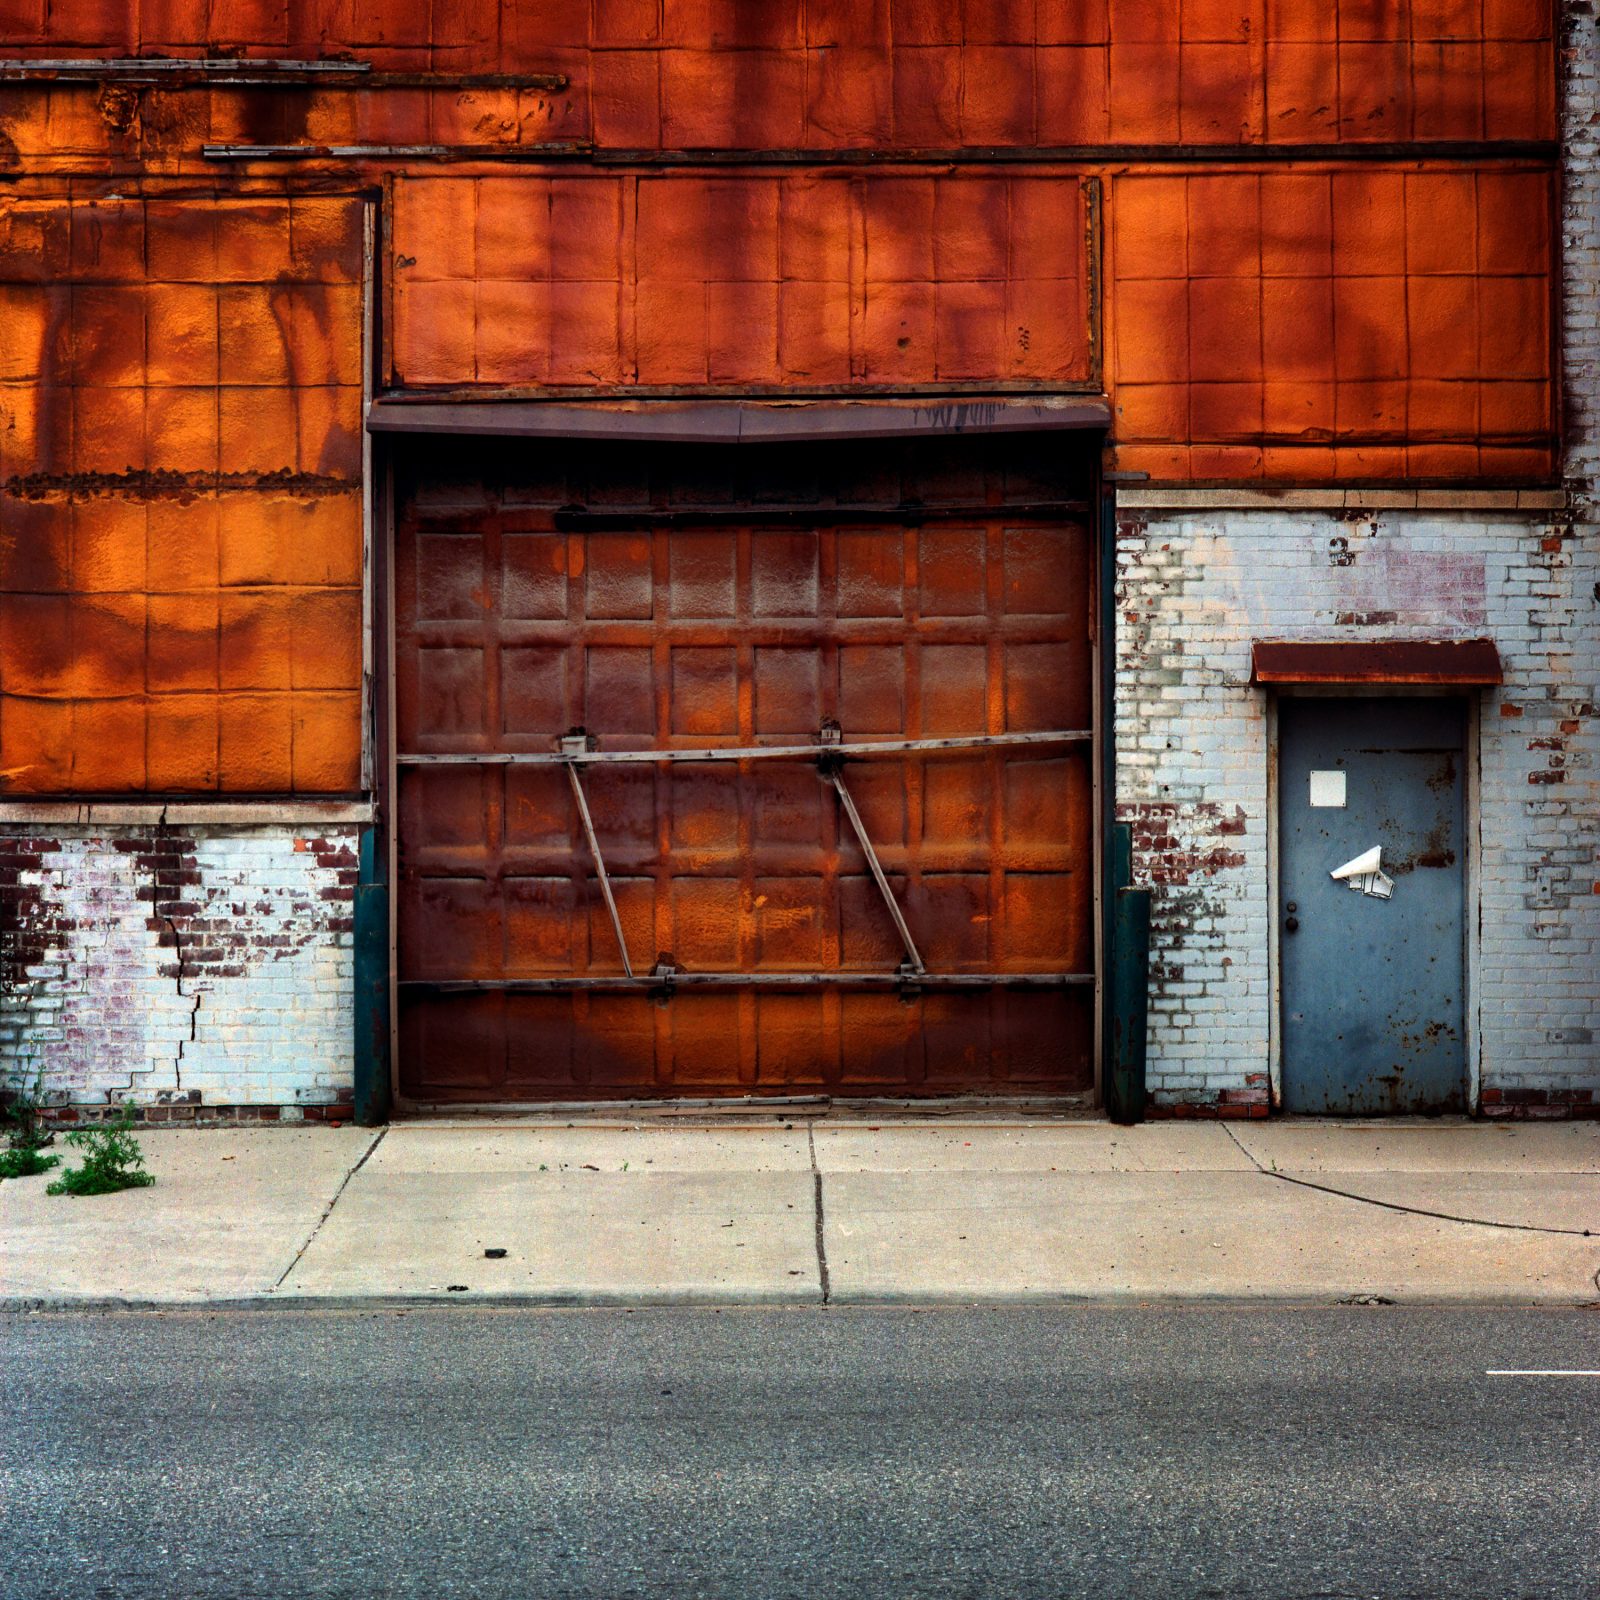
column 1394, row 1205
column 327, row 1210
column 816, row 1194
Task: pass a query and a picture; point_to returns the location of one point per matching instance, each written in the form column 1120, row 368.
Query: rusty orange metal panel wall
column 1311, row 324
column 180, row 495
column 1298, row 323
column 752, row 279
column 818, row 74
column 1328, row 255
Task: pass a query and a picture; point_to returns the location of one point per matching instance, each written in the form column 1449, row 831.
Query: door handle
column 1291, row 925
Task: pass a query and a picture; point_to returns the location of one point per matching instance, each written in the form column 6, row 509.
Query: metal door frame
column 833, row 420
column 1471, row 914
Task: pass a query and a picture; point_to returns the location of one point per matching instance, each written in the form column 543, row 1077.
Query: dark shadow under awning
column 734, row 421
column 1450, row 661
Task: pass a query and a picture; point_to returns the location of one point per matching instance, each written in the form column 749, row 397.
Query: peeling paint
column 1194, row 764
column 207, row 967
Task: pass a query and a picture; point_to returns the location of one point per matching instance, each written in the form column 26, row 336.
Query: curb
column 555, row 1300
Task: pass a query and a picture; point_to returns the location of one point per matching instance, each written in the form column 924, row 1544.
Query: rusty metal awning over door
column 1461, row 662
column 743, row 771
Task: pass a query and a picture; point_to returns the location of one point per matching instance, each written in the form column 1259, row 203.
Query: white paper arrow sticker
column 1360, row 866
column 1364, row 874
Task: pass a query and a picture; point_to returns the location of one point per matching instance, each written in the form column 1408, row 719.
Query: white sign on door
column 1327, row 789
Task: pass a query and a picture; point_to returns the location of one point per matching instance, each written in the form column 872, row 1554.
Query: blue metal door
column 1372, row 964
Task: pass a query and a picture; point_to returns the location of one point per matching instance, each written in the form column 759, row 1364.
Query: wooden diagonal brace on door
column 600, row 864
column 889, row 900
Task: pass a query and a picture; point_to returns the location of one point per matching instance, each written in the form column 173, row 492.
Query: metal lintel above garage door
column 733, row 421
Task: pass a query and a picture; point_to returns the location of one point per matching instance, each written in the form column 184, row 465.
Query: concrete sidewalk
column 793, row 1210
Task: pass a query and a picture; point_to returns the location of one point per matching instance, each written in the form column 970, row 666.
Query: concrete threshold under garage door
column 988, row 1109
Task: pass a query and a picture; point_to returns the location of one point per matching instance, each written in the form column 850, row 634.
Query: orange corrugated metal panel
column 731, row 74
column 746, row 280
column 180, row 497
column 1295, row 324
column 1308, row 323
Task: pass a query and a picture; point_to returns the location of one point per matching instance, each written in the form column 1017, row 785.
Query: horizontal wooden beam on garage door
column 752, row 752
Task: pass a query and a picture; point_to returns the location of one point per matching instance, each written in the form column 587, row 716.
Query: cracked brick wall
column 184, row 968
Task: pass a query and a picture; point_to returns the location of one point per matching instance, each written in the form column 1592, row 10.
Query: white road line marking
column 1543, row 1372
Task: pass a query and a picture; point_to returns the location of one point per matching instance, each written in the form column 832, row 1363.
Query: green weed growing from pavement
column 111, row 1159
column 25, row 1162
column 26, row 1137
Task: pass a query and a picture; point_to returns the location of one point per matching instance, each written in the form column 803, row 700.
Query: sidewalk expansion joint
column 1411, row 1211
column 817, row 1212
column 327, row 1210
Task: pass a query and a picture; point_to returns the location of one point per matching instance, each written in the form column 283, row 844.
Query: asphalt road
column 1023, row 1453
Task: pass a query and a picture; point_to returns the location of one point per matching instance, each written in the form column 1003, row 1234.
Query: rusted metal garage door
column 744, row 770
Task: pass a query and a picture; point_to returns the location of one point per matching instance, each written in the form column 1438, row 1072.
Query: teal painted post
column 372, row 985
column 1130, row 984
column 1125, row 911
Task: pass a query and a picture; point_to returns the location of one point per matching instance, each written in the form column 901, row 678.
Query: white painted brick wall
column 1194, row 591
column 125, row 980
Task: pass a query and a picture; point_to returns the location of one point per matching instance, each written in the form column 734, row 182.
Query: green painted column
column 1124, row 910
column 1129, row 988
column 372, row 985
